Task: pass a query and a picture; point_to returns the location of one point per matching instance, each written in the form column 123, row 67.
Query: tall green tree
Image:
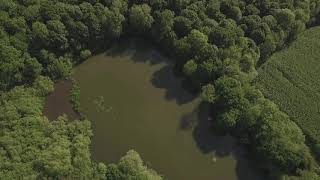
column 140, row 18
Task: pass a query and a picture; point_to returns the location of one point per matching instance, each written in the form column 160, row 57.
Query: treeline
column 48, row 37
column 216, row 43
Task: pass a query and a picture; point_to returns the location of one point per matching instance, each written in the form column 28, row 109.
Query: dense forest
column 216, row 44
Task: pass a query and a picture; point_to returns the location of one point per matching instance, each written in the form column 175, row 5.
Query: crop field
column 291, row 78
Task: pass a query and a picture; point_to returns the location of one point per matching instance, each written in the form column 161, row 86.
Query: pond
column 135, row 101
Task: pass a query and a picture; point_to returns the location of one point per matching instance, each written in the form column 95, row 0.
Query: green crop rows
column 291, row 79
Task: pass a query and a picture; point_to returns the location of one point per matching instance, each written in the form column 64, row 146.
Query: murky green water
column 135, row 102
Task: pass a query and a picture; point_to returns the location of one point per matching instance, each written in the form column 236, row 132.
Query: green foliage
column 162, row 28
column 57, row 35
column 60, row 68
column 208, row 93
column 85, row 54
column 115, row 19
column 43, row 86
column 40, row 32
column 217, row 44
column 197, row 41
column 32, row 147
column 140, row 18
column 305, row 175
column 285, row 17
column 11, row 63
column 190, row 68
column 75, row 96
column 290, row 77
column 131, row 167
column 32, row 69
column 269, row 132
column 279, row 139
column 229, row 91
column 182, row 26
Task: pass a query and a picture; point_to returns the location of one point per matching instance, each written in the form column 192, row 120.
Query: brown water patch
column 58, row 102
column 135, row 102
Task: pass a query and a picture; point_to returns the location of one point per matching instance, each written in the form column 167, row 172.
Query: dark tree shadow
column 222, row 146
column 174, row 86
column 139, row 50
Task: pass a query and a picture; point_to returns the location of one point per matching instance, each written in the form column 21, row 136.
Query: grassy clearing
column 291, row 78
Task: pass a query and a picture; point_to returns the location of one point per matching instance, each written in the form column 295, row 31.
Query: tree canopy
column 217, row 44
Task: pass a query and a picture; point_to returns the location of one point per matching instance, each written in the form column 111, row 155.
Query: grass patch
column 291, row 78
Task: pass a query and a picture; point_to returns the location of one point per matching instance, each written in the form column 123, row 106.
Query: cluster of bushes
column 217, row 44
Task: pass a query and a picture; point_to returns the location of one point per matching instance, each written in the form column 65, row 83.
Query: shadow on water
column 140, row 51
column 174, row 91
column 221, row 146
